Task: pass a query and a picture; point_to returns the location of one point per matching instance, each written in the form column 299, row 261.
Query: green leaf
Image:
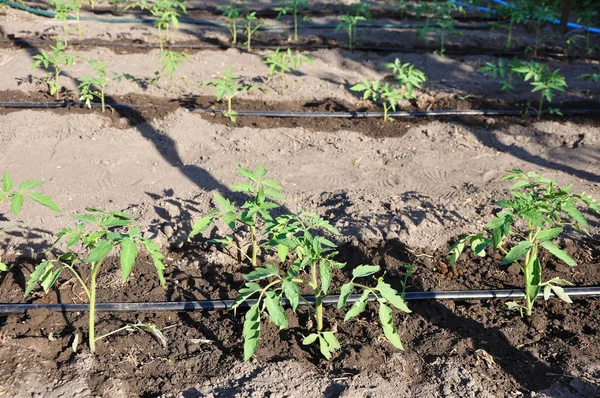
column 328, row 343
column 358, row 306
column 3, row 267
column 276, row 312
column 558, row 252
column 365, row 270
column 251, row 331
column 548, row 234
column 129, row 252
column 569, row 207
column 262, row 272
column 311, row 338
column 516, row 252
column 245, row 292
column 345, row 292
column 242, row 188
column 456, row 250
column 29, row 185
column 42, row 269
column 100, row 250
column 282, row 252
column 157, row 257
column 386, row 317
column 49, row 279
column 260, row 171
column 291, row 292
column 532, row 284
column 223, row 203
column 7, row 182
column 247, row 174
column 16, row 203
column 325, row 269
column 271, row 184
column 201, row 225
column 391, row 296
column 560, row 293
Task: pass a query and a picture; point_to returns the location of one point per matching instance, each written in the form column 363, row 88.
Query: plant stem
column 510, row 26
column 78, row 24
column 102, row 97
column 229, row 106
column 254, row 245
column 56, row 74
column 540, row 108
column 318, row 298
column 160, row 40
column 234, row 32
column 295, row 25
column 95, row 269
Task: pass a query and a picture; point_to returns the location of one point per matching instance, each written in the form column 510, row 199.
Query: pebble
column 168, row 231
column 514, row 269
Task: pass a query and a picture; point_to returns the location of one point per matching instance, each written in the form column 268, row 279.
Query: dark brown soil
column 513, row 353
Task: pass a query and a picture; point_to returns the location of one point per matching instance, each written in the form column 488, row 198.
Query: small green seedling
column 306, row 259
column 586, row 15
column 595, row 77
column 282, row 62
column 62, row 9
column 546, row 209
column 170, row 61
column 232, row 13
column 95, row 86
column 388, row 94
column 166, row 13
column 362, row 8
column 16, row 196
column 98, row 232
column 228, row 86
column 426, row 9
column 250, row 28
column 504, row 70
column 540, row 14
column 293, row 7
column 445, row 23
column 407, row 76
column 545, row 81
column 517, row 14
column 348, row 22
column 56, row 60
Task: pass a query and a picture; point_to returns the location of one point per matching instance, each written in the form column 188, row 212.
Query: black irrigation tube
column 490, row 112
column 35, row 105
column 224, row 305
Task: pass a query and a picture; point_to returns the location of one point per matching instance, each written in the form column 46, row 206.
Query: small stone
column 490, row 121
column 168, row 231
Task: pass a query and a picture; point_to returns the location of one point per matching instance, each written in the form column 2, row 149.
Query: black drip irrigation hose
column 35, row 105
column 224, row 305
column 360, row 115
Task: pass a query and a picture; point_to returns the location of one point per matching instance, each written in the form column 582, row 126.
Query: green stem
column 234, row 32
column 81, row 282
column 510, row 26
column 126, row 327
column 78, row 24
column 160, row 40
column 318, row 297
column 102, row 97
column 56, row 74
column 95, row 269
column 254, row 245
column 228, row 106
column 295, row 25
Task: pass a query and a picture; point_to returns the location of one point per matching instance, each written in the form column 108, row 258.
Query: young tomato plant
column 387, row 93
column 170, row 61
column 250, row 27
column 166, row 13
column 407, row 76
column 16, row 196
column 232, row 13
column 516, row 13
column 546, row 209
column 540, row 14
column 307, row 259
column 62, row 9
column 253, row 216
column 595, row 77
column 348, row 22
column 282, row 62
column 100, row 80
column 227, row 86
column 293, row 7
column 99, row 232
column 545, row 81
column 426, row 9
column 55, row 60
column 502, row 69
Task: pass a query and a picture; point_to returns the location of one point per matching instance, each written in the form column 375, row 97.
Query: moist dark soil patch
column 512, row 353
column 151, row 108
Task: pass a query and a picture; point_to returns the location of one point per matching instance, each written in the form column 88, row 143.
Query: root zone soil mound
column 462, row 347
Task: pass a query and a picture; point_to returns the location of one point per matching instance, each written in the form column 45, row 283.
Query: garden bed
column 400, row 193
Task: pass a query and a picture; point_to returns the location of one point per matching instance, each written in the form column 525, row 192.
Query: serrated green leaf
column 358, row 306
column 276, row 312
column 100, row 250
column 345, row 292
column 225, row 205
column 325, row 270
column 560, row 293
column 49, row 279
column 40, row 270
column 29, row 185
column 365, row 270
column 558, row 253
column 271, row 184
column 201, row 225
column 262, row 272
column 386, row 317
column 251, row 331
column 7, row 182
column 569, row 207
column 16, row 203
column 532, row 283
column 516, row 252
column 456, row 250
column 291, row 291
column 3, row 267
column 549, row 234
column 391, row 296
column 129, row 252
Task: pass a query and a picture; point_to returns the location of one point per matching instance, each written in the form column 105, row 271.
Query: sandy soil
column 422, row 183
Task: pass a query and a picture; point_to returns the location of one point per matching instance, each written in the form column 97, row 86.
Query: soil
column 400, row 192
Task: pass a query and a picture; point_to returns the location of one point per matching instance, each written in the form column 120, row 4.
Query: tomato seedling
column 228, row 86
column 250, row 27
column 16, row 196
column 166, row 13
column 546, row 209
column 170, row 61
column 348, row 22
column 407, row 76
column 293, row 7
column 282, row 62
column 55, row 60
column 504, row 70
column 517, row 14
column 100, row 80
column 232, row 13
column 99, row 232
column 545, row 81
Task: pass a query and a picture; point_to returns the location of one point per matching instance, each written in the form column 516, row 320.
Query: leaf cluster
column 408, row 76
column 56, row 59
column 281, row 62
